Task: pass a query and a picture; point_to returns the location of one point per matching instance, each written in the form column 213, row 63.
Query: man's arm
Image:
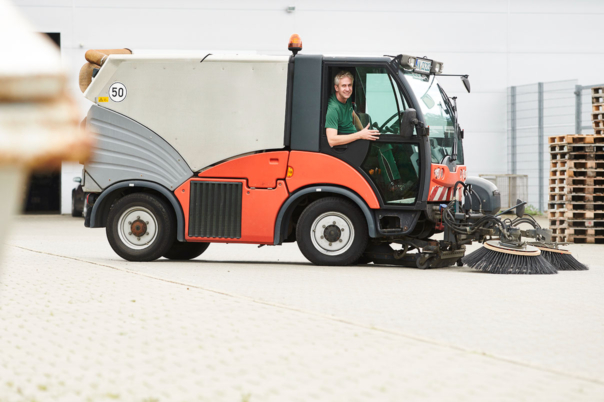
column 365, row 134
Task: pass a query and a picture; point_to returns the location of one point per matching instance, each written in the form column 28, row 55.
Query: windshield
column 438, row 114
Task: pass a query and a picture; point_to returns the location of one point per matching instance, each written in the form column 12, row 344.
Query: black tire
column 75, row 212
column 141, row 227
column 336, row 247
column 364, row 260
column 186, row 251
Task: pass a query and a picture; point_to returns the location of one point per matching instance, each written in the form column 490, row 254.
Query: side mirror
column 520, row 208
column 409, row 122
column 466, row 82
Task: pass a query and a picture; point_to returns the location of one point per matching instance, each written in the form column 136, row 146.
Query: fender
column 285, row 212
column 180, row 220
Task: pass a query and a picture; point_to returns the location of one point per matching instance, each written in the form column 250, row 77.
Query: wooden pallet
column 578, row 181
column 587, row 156
column 575, row 196
column 577, row 224
column 559, row 238
column 586, row 173
column 583, row 164
column 556, row 214
column 580, row 215
column 579, row 138
column 557, row 231
column 574, row 148
column 585, row 197
column 597, row 107
column 558, row 164
column 583, row 190
column 578, row 206
column 584, row 239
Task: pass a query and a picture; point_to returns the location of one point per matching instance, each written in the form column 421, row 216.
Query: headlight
column 438, row 173
column 411, row 62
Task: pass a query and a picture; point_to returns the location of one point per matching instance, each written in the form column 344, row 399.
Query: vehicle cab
column 418, row 157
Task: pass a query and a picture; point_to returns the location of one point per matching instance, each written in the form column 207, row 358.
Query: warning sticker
column 103, row 99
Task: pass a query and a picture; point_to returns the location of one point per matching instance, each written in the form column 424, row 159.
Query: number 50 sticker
column 117, row 92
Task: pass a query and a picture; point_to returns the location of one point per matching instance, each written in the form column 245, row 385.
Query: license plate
column 423, row 66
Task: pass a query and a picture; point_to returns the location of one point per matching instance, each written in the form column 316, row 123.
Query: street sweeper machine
column 193, row 150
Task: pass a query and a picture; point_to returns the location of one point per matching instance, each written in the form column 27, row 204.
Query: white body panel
column 210, row 111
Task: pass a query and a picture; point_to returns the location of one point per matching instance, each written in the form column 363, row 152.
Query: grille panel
column 215, row 210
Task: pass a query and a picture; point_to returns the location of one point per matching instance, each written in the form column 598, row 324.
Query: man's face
column 344, row 88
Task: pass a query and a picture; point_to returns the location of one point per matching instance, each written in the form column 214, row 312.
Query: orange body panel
column 261, row 170
column 315, row 168
column 442, row 189
column 259, row 212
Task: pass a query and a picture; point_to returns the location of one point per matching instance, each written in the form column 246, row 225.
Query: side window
column 379, row 101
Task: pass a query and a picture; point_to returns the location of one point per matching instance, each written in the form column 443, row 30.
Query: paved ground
column 246, row 324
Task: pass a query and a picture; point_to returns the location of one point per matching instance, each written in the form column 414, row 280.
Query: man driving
column 342, row 125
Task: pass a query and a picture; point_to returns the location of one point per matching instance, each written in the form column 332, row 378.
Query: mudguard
column 97, row 210
column 288, row 207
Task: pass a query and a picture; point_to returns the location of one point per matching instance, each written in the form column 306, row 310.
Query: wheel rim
column 137, row 228
column 332, row 233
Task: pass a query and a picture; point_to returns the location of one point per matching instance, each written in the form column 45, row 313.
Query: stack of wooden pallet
column 597, row 112
column 576, row 188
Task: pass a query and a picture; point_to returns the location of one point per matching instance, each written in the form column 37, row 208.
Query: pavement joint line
column 329, row 317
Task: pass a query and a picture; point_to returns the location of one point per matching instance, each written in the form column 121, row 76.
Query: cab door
column 393, row 164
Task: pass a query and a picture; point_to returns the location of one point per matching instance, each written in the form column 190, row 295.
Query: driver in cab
column 341, row 122
column 343, row 126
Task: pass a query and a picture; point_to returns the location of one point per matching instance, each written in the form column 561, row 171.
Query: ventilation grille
column 215, row 210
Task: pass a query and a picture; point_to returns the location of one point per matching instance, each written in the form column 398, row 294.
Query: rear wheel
column 186, row 251
column 141, row 227
column 332, row 231
column 75, row 211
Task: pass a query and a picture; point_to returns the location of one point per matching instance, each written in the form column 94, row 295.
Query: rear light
column 91, row 199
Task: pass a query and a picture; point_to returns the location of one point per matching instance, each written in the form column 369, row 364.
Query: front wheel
column 332, row 231
column 141, row 227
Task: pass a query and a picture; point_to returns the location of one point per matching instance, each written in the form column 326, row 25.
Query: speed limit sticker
column 117, row 92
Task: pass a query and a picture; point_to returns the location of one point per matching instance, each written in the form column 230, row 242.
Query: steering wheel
column 397, row 115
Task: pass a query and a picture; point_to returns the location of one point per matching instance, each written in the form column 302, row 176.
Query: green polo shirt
column 339, row 116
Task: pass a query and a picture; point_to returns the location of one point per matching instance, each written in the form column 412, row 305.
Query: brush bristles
column 495, row 262
column 563, row 262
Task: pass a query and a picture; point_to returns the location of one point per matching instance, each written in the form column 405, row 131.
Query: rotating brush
column 495, row 258
column 562, row 259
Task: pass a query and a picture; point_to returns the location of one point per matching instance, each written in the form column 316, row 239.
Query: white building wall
column 498, row 43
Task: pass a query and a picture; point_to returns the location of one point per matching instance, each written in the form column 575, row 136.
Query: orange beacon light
column 295, row 44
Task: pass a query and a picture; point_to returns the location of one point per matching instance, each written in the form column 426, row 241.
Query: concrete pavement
column 246, row 324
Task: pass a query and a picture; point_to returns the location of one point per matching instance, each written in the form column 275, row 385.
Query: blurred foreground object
column 38, row 120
